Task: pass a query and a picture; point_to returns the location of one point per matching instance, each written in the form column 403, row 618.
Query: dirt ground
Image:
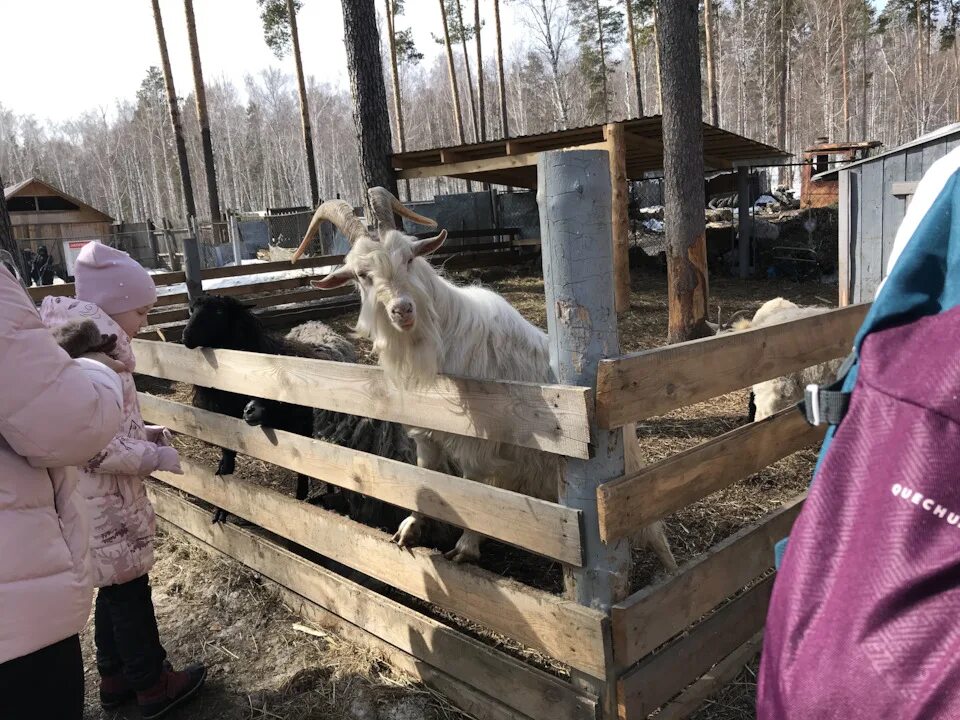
column 214, row 610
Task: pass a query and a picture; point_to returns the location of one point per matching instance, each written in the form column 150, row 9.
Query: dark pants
column 126, row 634
column 45, row 684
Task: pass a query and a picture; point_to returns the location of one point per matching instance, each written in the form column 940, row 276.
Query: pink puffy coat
column 54, row 413
column 122, row 518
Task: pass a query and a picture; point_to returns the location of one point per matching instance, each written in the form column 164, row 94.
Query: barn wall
column 874, row 213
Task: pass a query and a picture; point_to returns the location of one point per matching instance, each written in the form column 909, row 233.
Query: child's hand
column 168, row 460
column 115, row 365
column 159, row 434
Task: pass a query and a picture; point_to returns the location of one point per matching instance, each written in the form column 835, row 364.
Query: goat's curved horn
column 739, row 315
column 384, row 206
column 340, row 213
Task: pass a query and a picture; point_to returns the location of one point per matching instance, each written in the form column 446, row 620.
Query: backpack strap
column 827, row 404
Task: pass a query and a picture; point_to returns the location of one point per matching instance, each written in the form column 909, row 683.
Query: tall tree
column 452, row 71
column 480, row 99
column 783, row 49
column 280, row 33
column 402, row 49
column 501, row 85
column 601, row 30
column 683, row 170
column 844, row 75
column 370, row 117
column 712, row 95
column 632, row 35
column 463, row 33
column 186, row 183
column 550, row 23
column 200, row 93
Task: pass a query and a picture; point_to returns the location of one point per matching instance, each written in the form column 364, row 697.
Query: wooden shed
column 874, row 194
column 42, row 214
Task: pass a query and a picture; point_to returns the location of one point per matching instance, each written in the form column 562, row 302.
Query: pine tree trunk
column 370, row 116
column 466, row 65
column 863, row 79
column 782, row 81
column 742, row 70
column 603, row 64
column 500, row 82
column 7, row 241
column 920, row 69
column 480, row 94
column 452, row 71
column 683, row 170
column 206, row 142
column 712, row 98
column 186, row 183
column 631, row 34
column 304, row 108
column 397, row 103
column 656, row 52
column 843, row 74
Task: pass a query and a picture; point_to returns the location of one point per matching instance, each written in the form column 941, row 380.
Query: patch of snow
column 764, row 200
column 651, row 210
column 653, row 225
column 218, row 283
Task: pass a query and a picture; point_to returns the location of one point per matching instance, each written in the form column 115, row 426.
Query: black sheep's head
column 221, row 322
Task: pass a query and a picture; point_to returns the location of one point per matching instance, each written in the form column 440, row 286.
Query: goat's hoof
column 461, row 556
column 408, row 534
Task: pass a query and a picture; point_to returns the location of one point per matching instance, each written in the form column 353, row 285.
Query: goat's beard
column 410, row 358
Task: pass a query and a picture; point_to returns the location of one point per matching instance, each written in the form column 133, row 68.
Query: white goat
column 779, row 393
column 421, row 325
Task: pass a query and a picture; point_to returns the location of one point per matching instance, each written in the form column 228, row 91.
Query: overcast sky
column 62, row 57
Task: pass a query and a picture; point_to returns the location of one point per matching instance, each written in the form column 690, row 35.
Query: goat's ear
column 429, row 245
column 335, row 279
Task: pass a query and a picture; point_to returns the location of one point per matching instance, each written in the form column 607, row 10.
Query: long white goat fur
column 473, row 332
column 780, row 393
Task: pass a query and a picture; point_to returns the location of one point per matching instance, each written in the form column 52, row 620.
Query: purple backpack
column 864, row 620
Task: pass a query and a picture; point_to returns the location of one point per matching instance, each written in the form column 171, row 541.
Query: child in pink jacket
column 116, row 293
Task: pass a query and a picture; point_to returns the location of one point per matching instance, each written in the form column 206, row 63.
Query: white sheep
column 774, row 395
column 421, row 325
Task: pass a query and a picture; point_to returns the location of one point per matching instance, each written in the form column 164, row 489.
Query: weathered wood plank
column 844, row 239
column 470, row 167
column 871, row 247
column 536, row 525
column 160, row 317
column 246, row 289
column 650, row 617
column 620, row 221
column 633, row 502
column 658, row 678
column 904, row 188
column 553, row 418
column 894, row 206
column 642, row 385
column 563, row 629
column 528, row 690
column 719, row 675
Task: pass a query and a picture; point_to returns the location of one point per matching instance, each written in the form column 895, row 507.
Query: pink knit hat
column 112, row 279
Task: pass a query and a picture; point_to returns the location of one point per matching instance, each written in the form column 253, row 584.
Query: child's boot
column 170, row 691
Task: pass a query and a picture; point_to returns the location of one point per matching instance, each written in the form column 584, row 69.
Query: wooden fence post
column 235, row 240
column 574, row 196
column 617, row 147
column 191, row 259
column 743, row 220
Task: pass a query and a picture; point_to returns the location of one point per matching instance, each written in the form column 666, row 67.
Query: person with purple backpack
column 863, row 619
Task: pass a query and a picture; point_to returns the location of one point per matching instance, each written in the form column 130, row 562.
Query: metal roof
column 946, row 130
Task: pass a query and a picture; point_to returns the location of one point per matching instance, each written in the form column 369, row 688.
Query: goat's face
column 393, row 277
column 220, row 322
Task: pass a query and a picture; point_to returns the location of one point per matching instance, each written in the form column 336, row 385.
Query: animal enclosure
column 667, row 646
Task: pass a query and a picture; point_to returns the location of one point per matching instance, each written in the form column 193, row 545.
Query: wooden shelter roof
column 513, row 161
column 31, row 185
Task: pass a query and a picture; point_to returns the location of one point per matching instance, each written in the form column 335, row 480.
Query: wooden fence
column 667, row 646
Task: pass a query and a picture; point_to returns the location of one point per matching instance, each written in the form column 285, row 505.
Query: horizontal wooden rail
column 160, row 317
column 533, row 692
column 268, row 286
column 553, row 418
column 687, row 702
column 650, row 617
column 630, row 503
column 561, row 628
column 645, row 384
column 541, row 527
column 174, row 278
column 655, row 680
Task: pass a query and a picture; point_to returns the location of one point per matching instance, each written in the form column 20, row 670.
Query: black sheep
column 226, row 323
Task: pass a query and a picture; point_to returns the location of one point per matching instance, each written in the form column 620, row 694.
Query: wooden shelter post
column 617, row 148
column 743, row 220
